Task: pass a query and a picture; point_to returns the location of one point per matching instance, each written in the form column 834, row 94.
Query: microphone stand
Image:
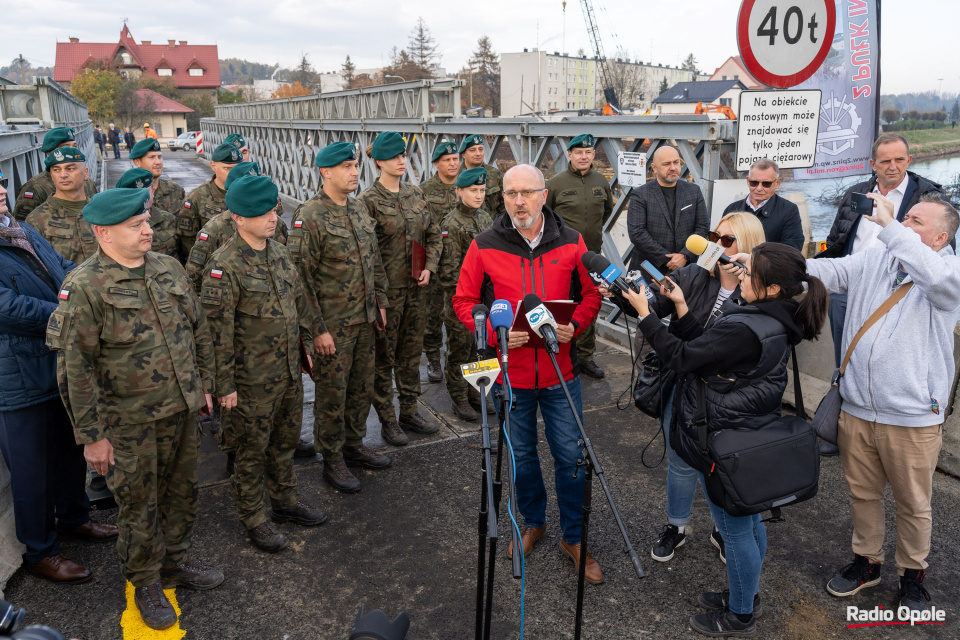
column 592, row 465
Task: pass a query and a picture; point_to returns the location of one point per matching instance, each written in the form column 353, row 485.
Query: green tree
column 955, row 111
column 99, row 90
column 691, row 64
column 483, row 77
column 890, row 114
column 347, row 71
column 228, row 97
column 164, row 86
column 202, row 106
column 305, row 74
column 133, row 106
column 663, row 85
column 422, row 48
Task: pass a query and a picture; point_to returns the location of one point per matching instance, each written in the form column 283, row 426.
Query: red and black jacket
column 500, row 264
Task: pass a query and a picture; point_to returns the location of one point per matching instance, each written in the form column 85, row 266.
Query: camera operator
column 706, row 293
column 741, row 362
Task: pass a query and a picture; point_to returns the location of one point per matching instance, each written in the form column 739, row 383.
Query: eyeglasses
column 724, row 240
column 766, row 183
column 526, row 193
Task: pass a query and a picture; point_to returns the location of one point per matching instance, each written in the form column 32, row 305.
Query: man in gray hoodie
column 896, row 385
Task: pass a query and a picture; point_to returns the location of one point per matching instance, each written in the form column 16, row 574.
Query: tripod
column 593, row 467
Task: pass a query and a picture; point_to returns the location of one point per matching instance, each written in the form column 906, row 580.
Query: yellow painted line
column 134, row 628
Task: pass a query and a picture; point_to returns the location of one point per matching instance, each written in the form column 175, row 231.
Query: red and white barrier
column 200, row 144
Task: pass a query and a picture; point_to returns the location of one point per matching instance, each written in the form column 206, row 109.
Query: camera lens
column 10, row 617
column 37, row 632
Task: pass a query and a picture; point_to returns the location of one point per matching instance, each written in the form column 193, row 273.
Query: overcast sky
column 918, row 46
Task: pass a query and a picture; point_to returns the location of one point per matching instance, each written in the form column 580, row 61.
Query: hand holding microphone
column 542, row 321
column 714, row 252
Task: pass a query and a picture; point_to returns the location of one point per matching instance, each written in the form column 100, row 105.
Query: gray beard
column 530, row 222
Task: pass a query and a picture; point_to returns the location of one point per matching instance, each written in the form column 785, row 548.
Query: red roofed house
column 167, row 117
column 734, row 69
column 195, row 68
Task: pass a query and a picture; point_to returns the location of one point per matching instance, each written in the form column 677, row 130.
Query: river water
column 940, row 170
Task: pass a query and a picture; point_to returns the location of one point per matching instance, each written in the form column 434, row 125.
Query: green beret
column 388, row 144
column 236, row 140
column 471, row 141
column 240, row 170
column 56, row 137
column 470, row 177
column 114, row 206
column 227, row 154
column 64, row 155
column 144, row 147
column 252, row 196
column 333, row 154
column 135, row 178
column 584, row 140
column 445, row 148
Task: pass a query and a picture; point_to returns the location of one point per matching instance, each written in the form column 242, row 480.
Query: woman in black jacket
column 746, row 343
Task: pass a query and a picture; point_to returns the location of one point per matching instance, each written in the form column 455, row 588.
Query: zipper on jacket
column 543, row 285
column 16, row 289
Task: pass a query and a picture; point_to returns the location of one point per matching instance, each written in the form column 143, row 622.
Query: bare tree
column 630, row 81
column 305, row 74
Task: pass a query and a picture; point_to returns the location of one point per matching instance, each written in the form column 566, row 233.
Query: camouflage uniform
column 169, row 196
column 202, row 204
column 441, row 198
column 401, row 219
column 459, row 228
column 214, row 235
column 134, row 357
column 493, row 202
column 339, row 260
column 584, row 203
column 41, row 188
column 164, row 225
column 256, row 308
column 66, row 230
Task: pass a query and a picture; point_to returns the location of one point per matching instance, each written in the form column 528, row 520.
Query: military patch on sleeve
column 293, row 244
column 198, row 256
column 28, row 194
column 185, row 224
column 202, row 237
column 131, row 293
column 297, row 224
column 445, row 233
column 186, row 205
column 216, row 273
column 210, row 295
column 55, row 324
column 64, row 294
column 598, row 192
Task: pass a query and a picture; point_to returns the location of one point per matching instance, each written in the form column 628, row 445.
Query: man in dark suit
column 663, row 213
column 780, row 217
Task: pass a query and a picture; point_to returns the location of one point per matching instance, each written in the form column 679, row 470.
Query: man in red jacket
column 531, row 250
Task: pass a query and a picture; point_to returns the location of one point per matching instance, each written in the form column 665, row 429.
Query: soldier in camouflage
column 59, row 220
column 134, row 359
column 40, row 187
column 472, row 151
column 402, row 219
column 163, row 223
column 218, row 230
column 334, row 242
column 254, row 302
column 440, row 190
column 583, row 198
column 240, row 143
column 206, row 201
column 458, row 229
column 167, row 195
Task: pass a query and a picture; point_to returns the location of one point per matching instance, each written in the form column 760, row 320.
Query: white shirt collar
column 900, row 188
column 4, row 221
column 536, row 241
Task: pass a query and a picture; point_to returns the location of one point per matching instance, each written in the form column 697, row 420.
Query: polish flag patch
column 297, row 224
column 64, row 294
column 445, row 233
column 216, row 273
column 186, row 205
column 202, row 236
column 28, row 194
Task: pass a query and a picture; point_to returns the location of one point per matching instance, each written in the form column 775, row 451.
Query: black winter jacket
column 780, row 219
column 844, row 229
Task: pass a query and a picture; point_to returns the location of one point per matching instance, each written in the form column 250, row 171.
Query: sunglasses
column 726, row 241
column 766, row 183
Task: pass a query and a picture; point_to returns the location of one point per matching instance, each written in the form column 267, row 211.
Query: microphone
column 480, row 313
column 710, row 252
column 501, row 318
column 542, row 321
column 607, row 271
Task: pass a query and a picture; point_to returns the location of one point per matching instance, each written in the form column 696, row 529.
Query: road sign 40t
column 783, row 42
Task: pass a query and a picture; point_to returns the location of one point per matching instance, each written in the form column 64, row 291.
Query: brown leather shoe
column 60, row 569
column 96, row 531
column 417, row 424
column 434, row 371
column 361, row 456
column 393, row 434
column 336, row 473
column 463, row 410
column 593, row 574
column 528, row 537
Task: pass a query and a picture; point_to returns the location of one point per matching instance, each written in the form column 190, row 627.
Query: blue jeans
column 745, row 545
column 837, row 313
column 563, row 437
column 681, row 477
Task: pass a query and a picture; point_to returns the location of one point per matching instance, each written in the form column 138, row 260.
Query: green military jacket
column 214, row 235
column 441, row 197
column 336, row 251
column 164, row 225
column 169, row 196
column 202, row 204
column 68, row 232
column 255, row 304
column 584, row 203
column 129, row 349
column 460, row 227
column 493, row 202
column 401, row 219
column 38, row 190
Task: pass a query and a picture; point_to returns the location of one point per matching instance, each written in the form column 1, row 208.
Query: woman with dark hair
column 737, row 366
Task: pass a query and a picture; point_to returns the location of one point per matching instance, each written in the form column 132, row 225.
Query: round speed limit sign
column 784, row 42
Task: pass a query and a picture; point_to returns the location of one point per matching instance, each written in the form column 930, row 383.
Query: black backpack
column 756, row 470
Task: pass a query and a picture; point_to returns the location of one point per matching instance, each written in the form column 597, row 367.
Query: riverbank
column 933, row 143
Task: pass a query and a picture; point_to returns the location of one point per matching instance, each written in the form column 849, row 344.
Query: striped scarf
column 15, row 235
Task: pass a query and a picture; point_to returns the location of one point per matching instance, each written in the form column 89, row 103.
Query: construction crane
column 606, row 76
column 709, row 108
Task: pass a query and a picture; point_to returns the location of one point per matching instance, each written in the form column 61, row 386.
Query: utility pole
column 23, row 77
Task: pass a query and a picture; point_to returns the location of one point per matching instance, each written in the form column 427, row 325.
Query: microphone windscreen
column 479, row 309
column 531, row 301
column 586, row 259
column 599, row 264
column 501, row 314
column 696, row 244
